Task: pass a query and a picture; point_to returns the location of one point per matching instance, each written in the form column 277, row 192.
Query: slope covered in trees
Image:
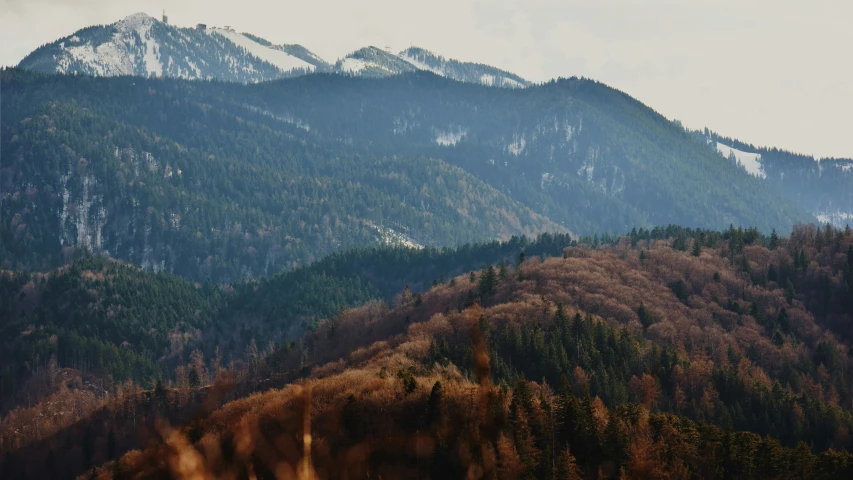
column 110, row 320
column 229, row 182
column 672, row 352
column 192, row 186
column 587, row 156
column 820, row 185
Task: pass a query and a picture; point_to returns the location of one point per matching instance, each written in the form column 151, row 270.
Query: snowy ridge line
column 278, row 58
column 147, row 47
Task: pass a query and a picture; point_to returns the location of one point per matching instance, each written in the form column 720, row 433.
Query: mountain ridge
column 141, row 45
column 200, row 179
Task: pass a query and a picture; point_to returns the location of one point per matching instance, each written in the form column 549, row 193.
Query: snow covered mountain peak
column 135, row 22
column 376, row 62
column 141, row 45
column 373, row 62
column 462, row 71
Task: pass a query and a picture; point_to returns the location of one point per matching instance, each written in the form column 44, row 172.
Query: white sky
column 770, row 72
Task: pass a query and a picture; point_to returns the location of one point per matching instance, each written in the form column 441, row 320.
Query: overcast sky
column 770, row 72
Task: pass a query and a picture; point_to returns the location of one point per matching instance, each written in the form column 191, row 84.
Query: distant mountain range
column 823, row 186
column 141, row 45
column 229, row 181
column 256, row 173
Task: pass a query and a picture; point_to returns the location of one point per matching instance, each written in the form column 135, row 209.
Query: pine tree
column 488, row 280
column 118, row 470
column 790, row 292
column 567, row 468
column 434, row 404
column 509, row 463
column 88, row 445
column 503, row 271
column 617, row 442
column 159, row 390
column 801, row 461
column 697, row 249
column 850, row 258
column 772, row 275
column 193, row 378
column 645, row 317
column 804, row 260
column 525, row 443
column 111, row 444
column 774, row 240
column 680, row 243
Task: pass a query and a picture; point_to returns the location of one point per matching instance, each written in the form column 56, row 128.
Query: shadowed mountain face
column 142, row 46
column 226, row 181
column 211, row 186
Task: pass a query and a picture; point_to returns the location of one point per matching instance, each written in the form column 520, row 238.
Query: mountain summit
column 141, row 45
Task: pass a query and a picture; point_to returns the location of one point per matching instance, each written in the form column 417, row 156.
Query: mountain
column 142, row 46
column 821, row 186
column 208, row 188
column 462, row 71
column 374, row 62
column 227, row 181
column 658, row 354
column 586, row 156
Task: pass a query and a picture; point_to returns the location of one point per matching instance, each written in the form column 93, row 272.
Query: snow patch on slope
column 286, row 118
column 421, row 66
column 838, row 218
column 517, row 146
column 278, row 58
column 508, row 82
column 750, row 161
column 391, row 237
column 106, row 60
column 112, row 58
column 153, row 66
column 354, row 65
column 450, row 137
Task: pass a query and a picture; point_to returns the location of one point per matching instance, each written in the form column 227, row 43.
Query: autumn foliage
column 637, row 359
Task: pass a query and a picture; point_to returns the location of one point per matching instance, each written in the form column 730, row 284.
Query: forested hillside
column 201, row 188
column 822, row 186
column 223, row 258
column 111, row 320
column 665, row 353
column 228, row 182
column 585, row 155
